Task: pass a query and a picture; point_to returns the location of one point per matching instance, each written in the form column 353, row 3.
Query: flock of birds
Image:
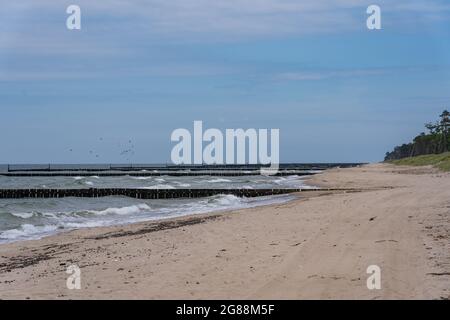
column 126, row 150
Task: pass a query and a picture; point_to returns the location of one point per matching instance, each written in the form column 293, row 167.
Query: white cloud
column 225, row 18
column 327, row 74
column 121, row 28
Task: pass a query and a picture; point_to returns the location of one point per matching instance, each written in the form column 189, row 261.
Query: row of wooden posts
column 139, row 193
column 152, row 174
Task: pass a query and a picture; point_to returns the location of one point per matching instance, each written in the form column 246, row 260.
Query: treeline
column 437, row 140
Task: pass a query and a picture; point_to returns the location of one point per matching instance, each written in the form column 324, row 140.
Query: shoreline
column 273, row 200
column 315, row 246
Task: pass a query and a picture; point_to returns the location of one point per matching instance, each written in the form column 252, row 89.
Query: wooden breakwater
column 142, row 193
column 151, row 174
column 168, row 167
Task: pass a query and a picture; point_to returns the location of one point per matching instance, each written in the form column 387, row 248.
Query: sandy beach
column 315, row 247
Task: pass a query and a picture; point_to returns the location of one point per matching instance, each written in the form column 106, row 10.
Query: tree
column 431, row 127
column 445, row 120
column 436, row 141
column 444, row 125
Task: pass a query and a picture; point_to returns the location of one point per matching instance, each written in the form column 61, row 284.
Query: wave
column 160, row 186
column 142, row 178
column 23, row 215
column 228, row 200
column 47, row 222
column 184, row 185
column 124, row 210
column 27, row 231
column 218, row 180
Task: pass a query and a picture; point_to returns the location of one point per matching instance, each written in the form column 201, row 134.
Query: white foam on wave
column 124, row 210
column 160, row 186
column 228, row 200
column 224, row 202
column 141, row 178
column 184, row 185
column 218, row 180
column 291, row 181
column 23, row 215
column 27, row 231
column 86, row 224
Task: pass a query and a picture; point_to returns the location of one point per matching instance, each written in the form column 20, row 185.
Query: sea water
column 23, row 219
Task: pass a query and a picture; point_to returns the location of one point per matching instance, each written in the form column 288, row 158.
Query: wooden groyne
column 142, row 193
column 168, row 167
column 231, row 170
column 150, row 174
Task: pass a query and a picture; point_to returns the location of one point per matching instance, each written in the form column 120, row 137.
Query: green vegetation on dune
column 441, row 161
column 435, row 142
column 426, row 149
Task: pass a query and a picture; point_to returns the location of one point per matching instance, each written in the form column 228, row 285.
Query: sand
column 315, row 247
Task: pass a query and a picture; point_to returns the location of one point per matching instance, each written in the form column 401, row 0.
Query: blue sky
column 139, row 69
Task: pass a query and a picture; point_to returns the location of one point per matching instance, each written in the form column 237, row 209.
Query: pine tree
column 444, row 125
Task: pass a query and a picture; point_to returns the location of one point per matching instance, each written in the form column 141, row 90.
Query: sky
column 139, row 69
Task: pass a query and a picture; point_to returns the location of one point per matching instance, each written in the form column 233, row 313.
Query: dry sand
column 317, row 246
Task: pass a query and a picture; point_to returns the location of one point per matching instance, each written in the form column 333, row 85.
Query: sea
column 31, row 218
